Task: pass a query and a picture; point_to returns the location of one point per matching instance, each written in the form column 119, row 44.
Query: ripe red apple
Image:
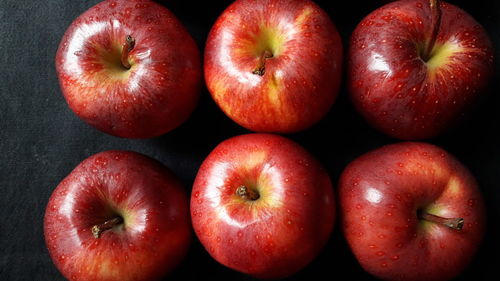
column 416, row 66
column 129, row 68
column 273, row 65
column 411, row 211
column 262, row 205
column 118, row 215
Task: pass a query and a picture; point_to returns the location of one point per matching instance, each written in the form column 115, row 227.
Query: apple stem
column 127, row 46
column 436, row 23
column 247, row 193
column 100, row 228
column 261, row 67
column 454, row 223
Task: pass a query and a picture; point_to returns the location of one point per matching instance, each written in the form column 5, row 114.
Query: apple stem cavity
column 247, row 193
column 436, row 23
column 454, row 223
column 100, row 228
column 127, row 47
column 261, row 67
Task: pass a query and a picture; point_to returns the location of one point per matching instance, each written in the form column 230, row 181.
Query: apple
column 118, row 215
column 262, row 205
column 411, row 211
column 129, row 68
column 273, row 65
column 416, row 66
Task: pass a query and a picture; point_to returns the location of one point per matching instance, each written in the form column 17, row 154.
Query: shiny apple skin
column 300, row 82
column 156, row 232
column 380, row 193
column 160, row 90
column 395, row 90
column 279, row 233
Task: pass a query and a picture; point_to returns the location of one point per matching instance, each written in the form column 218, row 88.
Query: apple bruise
column 404, row 92
column 383, row 205
column 276, row 59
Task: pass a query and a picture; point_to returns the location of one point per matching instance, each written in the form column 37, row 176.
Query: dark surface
column 42, row 140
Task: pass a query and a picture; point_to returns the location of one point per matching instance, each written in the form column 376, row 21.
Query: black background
column 42, row 140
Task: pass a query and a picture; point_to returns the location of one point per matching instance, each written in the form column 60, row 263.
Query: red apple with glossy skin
column 415, row 68
column 411, row 211
column 118, row 215
column 129, row 68
column 262, row 205
column 273, row 65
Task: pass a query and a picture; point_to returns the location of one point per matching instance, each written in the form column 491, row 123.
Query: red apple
column 416, row 66
column 118, row 215
column 411, row 211
column 262, row 205
column 273, row 65
column 129, row 68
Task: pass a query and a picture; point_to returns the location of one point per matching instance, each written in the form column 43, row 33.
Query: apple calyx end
column 127, row 47
column 261, row 67
column 453, row 223
column 98, row 229
column 247, row 193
